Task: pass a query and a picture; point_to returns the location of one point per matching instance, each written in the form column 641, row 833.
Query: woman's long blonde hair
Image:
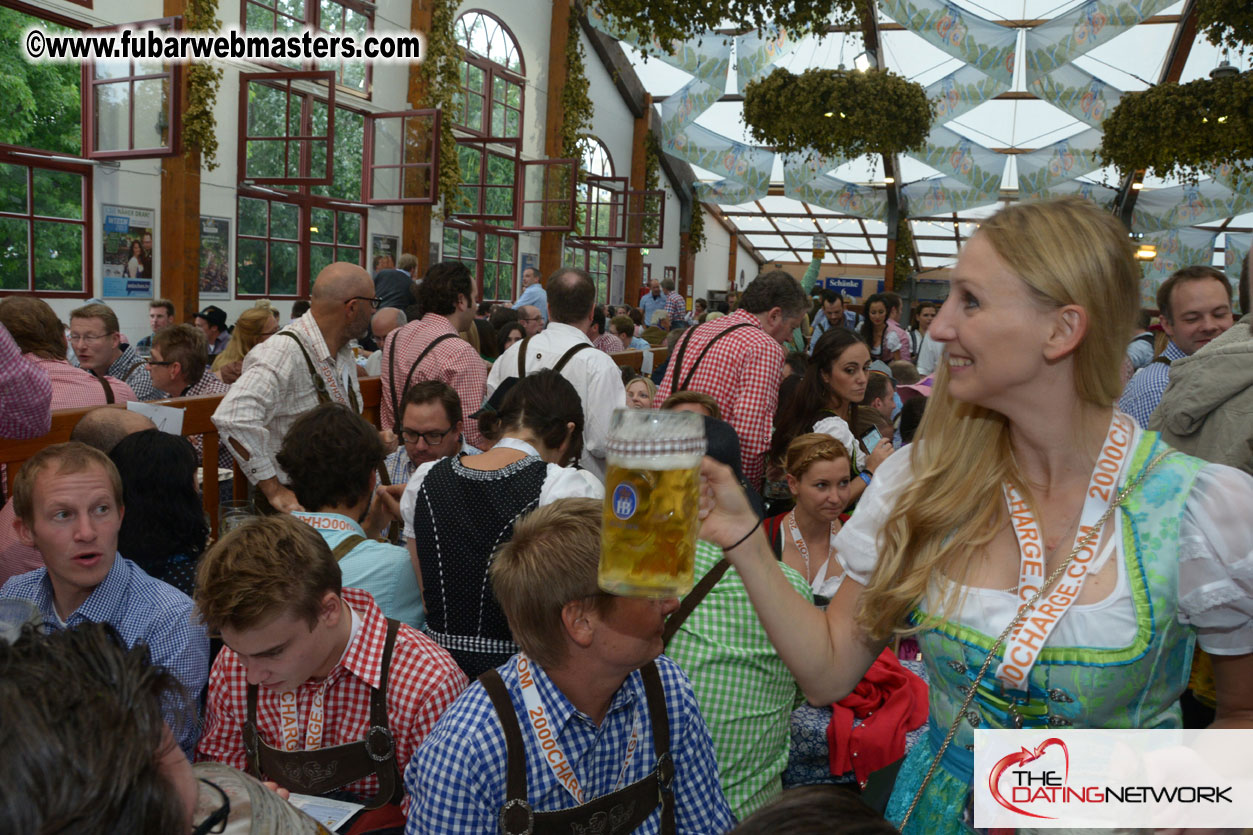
column 246, row 335
column 1066, row 251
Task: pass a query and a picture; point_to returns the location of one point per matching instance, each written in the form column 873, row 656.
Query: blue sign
column 117, row 223
column 624, row 501
column 847, row 286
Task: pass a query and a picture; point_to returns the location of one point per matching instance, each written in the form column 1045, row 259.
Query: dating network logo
column 1047, row 779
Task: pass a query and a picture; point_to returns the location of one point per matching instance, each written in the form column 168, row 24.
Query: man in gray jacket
column 1207, row 410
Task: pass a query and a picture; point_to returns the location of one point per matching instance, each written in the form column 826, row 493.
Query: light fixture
column 1223, row 70
column 842, row 116
column 889, row 180
column 1137, row 186
column 865, row 61
column 829, row 114
column 313, row 229
column 1146, row 252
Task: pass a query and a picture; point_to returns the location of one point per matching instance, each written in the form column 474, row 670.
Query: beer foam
column 683, row 461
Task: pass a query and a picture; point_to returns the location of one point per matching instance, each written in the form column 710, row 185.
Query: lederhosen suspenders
column 319, row 384
column 561, row 363
column 620, row 811
column 675, row 386
column 694, row 597
column 326, row 769
column 126, row 377
column 108, row 389
column 391, row 373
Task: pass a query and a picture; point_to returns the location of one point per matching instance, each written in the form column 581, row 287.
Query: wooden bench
column 197, row 420
column 632, row 359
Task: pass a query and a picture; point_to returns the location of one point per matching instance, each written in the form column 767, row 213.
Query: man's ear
column 24, row 533
column 329, row 610
column 579, row 620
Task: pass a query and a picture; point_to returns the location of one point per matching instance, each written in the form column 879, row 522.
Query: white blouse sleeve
column 1216, row 560
column 410, row 497
column 837, row 428
column 892, row 341
column 569, row 483
column 856, row 545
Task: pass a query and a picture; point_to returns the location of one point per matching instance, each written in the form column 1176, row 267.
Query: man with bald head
column 384, row 322
column 531, row 318
column 306, row 363
column 101, row 428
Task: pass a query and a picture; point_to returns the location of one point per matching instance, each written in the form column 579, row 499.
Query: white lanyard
column 538, row 717
column 518, row 444
column 291, row 720
column 1024, row 646
column 803, row 548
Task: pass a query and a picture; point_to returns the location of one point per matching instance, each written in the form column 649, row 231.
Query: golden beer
column 652, row 499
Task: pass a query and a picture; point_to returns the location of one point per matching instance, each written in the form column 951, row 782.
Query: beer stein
column 652, row 499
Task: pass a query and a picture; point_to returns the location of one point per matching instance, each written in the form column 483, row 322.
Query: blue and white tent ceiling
column 1021, row 106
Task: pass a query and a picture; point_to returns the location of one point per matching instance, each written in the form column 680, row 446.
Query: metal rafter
column 821, row 231
column 865, row 233
column 777, row 230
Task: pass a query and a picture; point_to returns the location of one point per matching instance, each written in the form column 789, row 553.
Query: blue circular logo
column 624, row 501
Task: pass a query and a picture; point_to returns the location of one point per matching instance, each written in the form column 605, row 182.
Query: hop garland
column 903, row 264
column 1226, row 23
column 838, row 113
column 576, row 103
column 440, row 75
column 203, row 80
column 696, row 229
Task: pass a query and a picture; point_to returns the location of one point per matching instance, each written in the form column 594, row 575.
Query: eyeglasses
column 158, row 362
column 217, row 821
column 530, row 318
column 432, row 438
column 374, row 301
column 89, row 337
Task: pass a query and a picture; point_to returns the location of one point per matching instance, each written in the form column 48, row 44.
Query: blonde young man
column 315, row 688
column 68, row 499
column 600, row 727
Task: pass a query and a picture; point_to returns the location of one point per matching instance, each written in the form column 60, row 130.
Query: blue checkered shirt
column 142, row 609
column 1145, row 389
column 456, row 780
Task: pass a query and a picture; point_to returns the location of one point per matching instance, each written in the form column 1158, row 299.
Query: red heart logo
column 1023, row 757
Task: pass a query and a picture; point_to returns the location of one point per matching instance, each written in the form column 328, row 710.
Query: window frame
column 485, row 152
column 304, row 139
column 85, row 169
column 312, row 19
column 585, row 250
column 369, row 166
column 635, row 220
column 481, row 231
column 173, row 74
column 491, row 70
column 543, row 201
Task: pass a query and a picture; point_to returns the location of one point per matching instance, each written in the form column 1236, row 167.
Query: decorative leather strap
column 565, row 358
column 126, row 377
column 661, row 742
column 694, row 597
column 682, row 352
column 346, row 545
column 319, row 384
column 515, row 774
column 391, row 374
column 108, row 389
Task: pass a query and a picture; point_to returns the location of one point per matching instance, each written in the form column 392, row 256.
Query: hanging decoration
column 1186, row 205
column 1235, row 253
column 706, row 56
column 755, row 52
column 1176, row 249
column 439, row 75
column 903, row 264
column 1065, row 37
column 742, row 163
column 806, row 178
column 652, row 182
column 986, row 46
column 1102, row 195
column 942, row 195
column 1226, row 23
column 845, row 113
column 203, row 79
column 962, row 158
column 1059, row 162
column 657, row 24
column 576, row 103
column 962, row 90
column 1180, row 130
column 696, row 229
column 1078, row 92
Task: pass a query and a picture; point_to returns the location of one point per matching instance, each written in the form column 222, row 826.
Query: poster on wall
column 380, row 245
column 215, row 251
column 128, row 256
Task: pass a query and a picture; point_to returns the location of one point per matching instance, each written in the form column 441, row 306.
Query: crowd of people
column 412, row 622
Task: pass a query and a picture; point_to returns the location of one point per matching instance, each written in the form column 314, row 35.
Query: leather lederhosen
column 326, row 769
column 618, row 812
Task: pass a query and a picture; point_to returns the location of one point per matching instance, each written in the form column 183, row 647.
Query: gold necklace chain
column 1018, row 619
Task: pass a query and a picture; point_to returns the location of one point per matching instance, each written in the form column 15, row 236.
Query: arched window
column 489, row 103
column 596, row 159
column 598, row 204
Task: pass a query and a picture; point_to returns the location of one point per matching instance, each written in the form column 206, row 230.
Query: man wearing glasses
column 430, row 427
column 95, row 337
column 306, row 363
column 179, row 367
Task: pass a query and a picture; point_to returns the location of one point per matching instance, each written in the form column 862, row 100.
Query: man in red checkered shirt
column 327, row 714
column 738, row 359
column 446, row 297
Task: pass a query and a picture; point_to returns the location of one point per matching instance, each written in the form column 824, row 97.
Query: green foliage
column 903, row 265
column 41, row 102
column 652, row 180
column 668, row 20
column 440, row 74
column 1182, row 129
column 1226, row 23
column 838, row 113
column 696, row 231
column 576, row 104
column 203, row 79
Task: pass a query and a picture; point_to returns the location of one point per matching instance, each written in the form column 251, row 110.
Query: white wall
column 138, row 183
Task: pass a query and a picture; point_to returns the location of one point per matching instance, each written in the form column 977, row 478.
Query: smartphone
column 871, row 439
